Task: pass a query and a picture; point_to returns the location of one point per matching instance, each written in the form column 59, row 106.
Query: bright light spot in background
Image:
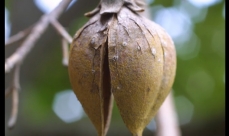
column 152, row 125
column 185, row 109
column 176, row 23
column 48, row 5
column 196, row 13
column 7, row 25
column 204, row 3
column 67, row 107
column 149, row 1
column 200, row 85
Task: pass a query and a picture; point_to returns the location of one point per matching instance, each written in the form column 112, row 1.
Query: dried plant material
column 122, row 53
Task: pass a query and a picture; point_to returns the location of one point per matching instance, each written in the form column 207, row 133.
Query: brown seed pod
column 122, row 53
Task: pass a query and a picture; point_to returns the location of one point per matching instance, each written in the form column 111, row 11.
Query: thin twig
column 20, row 35
column 60, row 29
column 166, row 119
column 14, row 89
column 14, row 111
column 65, row 52
column 35, row 34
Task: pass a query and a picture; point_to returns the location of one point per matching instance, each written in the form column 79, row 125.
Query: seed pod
column 122, row 53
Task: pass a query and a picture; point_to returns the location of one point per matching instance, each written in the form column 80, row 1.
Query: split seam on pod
column 120, row 53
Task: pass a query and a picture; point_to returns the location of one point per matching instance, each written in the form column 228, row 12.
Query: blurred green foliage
column 209, row 64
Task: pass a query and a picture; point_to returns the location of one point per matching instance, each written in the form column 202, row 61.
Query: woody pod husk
column 119, row 54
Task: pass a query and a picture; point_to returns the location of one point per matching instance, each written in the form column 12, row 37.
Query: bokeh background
column 47, row 105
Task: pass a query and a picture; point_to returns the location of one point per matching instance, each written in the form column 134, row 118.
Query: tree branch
column 60, row 29
column 67, row 39
column 65, row 52
column 14, row 89
column 166, row 119
column 35, row 34
column 18, row 36
column 15, row 60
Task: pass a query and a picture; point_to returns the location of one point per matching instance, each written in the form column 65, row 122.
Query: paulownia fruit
column 122, row 53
